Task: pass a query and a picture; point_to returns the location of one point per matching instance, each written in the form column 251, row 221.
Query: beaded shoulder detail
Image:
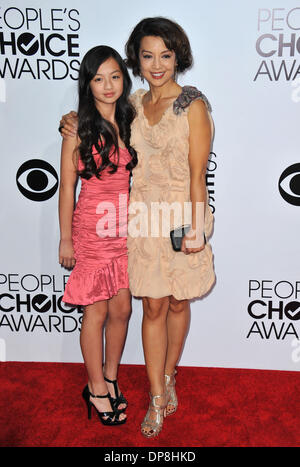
column 188, row 95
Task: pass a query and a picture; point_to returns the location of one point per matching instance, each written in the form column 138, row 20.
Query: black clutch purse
column 177, row 235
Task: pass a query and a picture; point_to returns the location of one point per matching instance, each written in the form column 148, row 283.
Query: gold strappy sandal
column 152, row 424
column 170, row 388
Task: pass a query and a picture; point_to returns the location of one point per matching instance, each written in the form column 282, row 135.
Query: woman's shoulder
column 188, row 95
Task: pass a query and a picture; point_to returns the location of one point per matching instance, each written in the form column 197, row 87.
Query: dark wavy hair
column 170, row 32
column 91, row 124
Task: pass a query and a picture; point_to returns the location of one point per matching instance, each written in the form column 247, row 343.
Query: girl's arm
column 68, row 179
column 200, row 135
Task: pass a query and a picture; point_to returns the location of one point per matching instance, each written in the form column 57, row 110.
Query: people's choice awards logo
column 274, row 309
column 34, row 304
column 39, row 43
column 37, row 180
column 289, row 184
column 278, row 44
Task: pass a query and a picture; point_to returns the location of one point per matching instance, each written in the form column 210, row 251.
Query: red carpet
column 41, row 405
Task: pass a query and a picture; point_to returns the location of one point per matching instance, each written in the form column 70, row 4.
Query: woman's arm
column 200, row 135
column 69, row 124
column 68, row 179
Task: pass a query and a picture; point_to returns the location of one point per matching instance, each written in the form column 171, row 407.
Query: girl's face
column 107, row 84
column 157, row 62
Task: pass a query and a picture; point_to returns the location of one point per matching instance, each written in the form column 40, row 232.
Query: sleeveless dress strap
column 188, row 95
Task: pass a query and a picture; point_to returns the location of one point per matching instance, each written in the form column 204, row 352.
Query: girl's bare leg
column 91, row 342
column 119, row 311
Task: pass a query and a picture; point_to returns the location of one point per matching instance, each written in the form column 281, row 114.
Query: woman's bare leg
column 178, row 321
column 155, row 341
column 177, row 324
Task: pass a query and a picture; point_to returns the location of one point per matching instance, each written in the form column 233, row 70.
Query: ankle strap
column 114, row 382
column 109, row 380
column 100, row 397
column 172, row 374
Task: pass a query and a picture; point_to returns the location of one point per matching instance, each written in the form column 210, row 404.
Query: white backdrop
column 247, row 63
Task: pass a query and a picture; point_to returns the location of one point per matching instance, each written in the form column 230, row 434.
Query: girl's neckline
column 164, row 112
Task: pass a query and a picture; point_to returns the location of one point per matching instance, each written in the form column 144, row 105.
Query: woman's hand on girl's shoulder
column 69, row 125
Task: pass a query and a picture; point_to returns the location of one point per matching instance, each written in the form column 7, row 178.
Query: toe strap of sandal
column 110, row 415
column 119, row 399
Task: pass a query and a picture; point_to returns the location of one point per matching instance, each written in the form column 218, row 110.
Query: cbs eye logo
column 289, row 184
column 37, row 180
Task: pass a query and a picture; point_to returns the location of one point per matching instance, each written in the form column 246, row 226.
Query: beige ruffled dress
column 162, row 177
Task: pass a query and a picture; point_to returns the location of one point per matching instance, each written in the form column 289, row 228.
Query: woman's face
column 107, row 84
column 157, row 62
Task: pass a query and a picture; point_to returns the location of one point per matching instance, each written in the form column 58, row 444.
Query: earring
column 175, row 73
column 141, row 76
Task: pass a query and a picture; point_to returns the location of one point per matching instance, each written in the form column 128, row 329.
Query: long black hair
column 93, row 129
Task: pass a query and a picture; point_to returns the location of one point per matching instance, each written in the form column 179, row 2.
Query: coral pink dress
column 99, row 231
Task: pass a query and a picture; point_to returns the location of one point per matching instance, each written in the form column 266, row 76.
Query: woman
column 172, row 134
column 101, row 154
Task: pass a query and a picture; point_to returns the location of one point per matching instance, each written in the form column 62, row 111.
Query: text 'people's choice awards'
column 39, row 43
column 278, row 44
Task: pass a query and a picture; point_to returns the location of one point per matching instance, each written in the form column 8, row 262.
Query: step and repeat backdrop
column 247, row 62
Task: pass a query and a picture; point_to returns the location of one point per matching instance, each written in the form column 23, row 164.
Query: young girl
column 93, row 241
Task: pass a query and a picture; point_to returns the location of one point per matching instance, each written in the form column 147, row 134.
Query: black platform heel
column 119, row 399
column 112, row 417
